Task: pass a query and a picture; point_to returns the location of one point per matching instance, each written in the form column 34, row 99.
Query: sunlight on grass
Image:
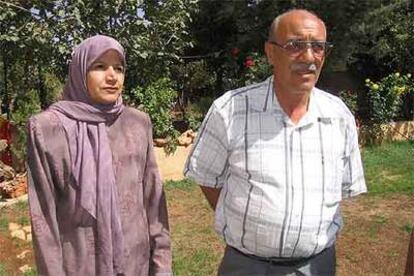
column 22, row 205
column 197, row 249
column 185, row 184
column 24, row 221
column 31, row 272
column 4, row 224
column 195, row 263
column 390, row 168
column 2, row 270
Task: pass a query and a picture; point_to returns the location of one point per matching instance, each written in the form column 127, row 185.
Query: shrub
column 350, row 99
column 196, row 111
column 24, row 106
column 244, row 68
column 157, row 100
column 384, row 39
column 256, row 68
column 384, row 99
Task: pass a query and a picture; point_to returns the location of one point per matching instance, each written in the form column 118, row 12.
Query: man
column 275, row 159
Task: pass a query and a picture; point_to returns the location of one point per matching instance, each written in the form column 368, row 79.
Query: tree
column 384, row 41
column 37, row 38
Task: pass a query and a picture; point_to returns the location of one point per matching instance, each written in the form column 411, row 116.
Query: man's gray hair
column 275, row 24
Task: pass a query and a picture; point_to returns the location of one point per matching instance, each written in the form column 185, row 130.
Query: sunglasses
column 296, row 47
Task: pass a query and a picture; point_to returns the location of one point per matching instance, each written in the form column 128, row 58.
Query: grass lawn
column 377, row 225
column 390, row 168
column 373, row 242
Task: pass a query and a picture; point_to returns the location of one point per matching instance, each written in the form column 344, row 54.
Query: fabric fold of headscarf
column 92, row 167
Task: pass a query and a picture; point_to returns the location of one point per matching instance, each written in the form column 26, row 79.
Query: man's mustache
column 303, row 66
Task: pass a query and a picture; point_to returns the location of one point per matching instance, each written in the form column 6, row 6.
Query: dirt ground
column 171, row 166
column 376, row 235
column 10, row 247
column 374, row 240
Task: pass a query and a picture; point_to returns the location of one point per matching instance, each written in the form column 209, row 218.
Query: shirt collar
column 273, row 105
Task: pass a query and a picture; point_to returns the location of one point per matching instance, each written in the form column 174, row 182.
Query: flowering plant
column 245, row 67
column 385, row 101
column 385, row 96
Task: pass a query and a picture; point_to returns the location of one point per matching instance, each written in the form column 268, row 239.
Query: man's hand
column 212, row 195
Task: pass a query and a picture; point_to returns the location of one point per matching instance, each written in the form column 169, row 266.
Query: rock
column 14, row 226
column 25, row 268
column 185, row 141
column 190, row 133
column 29, row 237
column 27, row 229
column 186, row 138
column 23, row 254
column 14, row 188
column 6, row 172
column 160, row 142
column 19, row 233
column 3, row 145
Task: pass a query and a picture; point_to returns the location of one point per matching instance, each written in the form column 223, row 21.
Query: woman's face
column 105, row 78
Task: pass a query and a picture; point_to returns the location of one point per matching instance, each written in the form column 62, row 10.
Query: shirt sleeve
column 207, row 164
column 353, row 181
column 42, row 200
column 156, row 208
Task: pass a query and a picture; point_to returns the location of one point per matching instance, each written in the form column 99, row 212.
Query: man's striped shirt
column 281, row 183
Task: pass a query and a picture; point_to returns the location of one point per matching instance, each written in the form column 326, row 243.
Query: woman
column 96, row 199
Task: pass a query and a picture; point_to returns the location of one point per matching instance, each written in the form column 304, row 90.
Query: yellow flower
column 367, row 80
column 375, row 87
column 409, row 75
column 397, row 74
column 401, row 90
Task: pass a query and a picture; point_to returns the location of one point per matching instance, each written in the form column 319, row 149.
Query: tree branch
column 15, row 6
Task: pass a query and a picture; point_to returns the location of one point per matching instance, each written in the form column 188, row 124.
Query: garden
column 183, row 54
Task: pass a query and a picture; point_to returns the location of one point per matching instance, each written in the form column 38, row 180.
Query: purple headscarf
column 85, row 125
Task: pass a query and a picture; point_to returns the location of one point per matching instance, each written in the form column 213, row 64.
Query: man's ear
column 269, row 52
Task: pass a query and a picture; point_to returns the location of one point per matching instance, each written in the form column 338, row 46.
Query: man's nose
column 308, row 53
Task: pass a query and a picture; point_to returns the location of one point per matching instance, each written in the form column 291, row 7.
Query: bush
column 24, row 106
column 384, row 99
column 384, row 40
column 157, row 100
column 244, row 68
column 350, row 99
column 195, row 112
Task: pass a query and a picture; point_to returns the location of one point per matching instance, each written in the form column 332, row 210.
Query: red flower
column 249, row 62
column 235, row 52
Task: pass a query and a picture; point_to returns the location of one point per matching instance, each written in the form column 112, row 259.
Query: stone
column 190, row 133
column 186, row 138
column 6, row 171
column 23, row 254
column 160, row 142
column 3, row 145
column 14, row 226
column 27, row 229
column 19, row 233
column 25, row 268
column 15, row 187
column 185, row 141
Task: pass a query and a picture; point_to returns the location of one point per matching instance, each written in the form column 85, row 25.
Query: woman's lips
column 111, row 89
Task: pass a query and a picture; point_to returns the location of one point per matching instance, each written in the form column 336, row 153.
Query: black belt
column 278, row 260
